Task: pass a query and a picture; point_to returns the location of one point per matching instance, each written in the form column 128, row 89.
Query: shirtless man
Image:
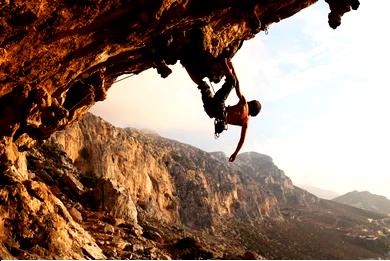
column 235, row 115
column 238, row 114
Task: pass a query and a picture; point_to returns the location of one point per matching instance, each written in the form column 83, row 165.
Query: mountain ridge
column 153, row 144
column 125, row 194
column 365, row 200
column 204, row 190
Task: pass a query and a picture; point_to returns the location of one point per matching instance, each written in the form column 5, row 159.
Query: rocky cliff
column 96, row 191
column 175, row 182
column 59, row 58
column 56, row 60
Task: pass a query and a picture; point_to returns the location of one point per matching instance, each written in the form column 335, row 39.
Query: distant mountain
column 319, row 192
column 366, row 200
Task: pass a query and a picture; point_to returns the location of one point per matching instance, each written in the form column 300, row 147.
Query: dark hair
column 254, row 107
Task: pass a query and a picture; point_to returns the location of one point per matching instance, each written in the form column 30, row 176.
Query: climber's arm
column 233, row 77
column 240, row 142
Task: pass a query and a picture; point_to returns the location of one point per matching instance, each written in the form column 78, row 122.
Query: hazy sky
column 325, row 96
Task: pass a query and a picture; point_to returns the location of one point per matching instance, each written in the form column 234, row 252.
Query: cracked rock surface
column 58, row 58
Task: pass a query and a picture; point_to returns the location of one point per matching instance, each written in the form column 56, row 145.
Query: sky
column 324, row 94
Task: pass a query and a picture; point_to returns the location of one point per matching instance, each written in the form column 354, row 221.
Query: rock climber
column 200, row 64
column 214, row 105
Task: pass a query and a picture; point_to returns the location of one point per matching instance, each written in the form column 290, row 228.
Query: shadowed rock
column 57, row 60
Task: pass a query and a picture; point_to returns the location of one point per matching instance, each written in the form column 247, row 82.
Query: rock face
column 266, row 173
column 36, row 224
column 57, row 59
column 96, row 191
column 178, row 183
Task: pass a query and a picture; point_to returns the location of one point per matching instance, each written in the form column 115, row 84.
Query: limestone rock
column 34, row 217
column 115, row 200
column 76, row 215
column 50, row 163
column 137, row 230
column 175, row 182
column 117, row 155
column 57, row 60
column 153, row 235
column 4, row 253
column 109, row 229
column 137, row 248
column 277, row 183
column 182, row 195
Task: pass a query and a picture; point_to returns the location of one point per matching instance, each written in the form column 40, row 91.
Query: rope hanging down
column 124, row 78
column 87, row 96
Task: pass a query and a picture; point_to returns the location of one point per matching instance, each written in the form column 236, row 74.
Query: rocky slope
column 96, row 191
column 178, row 183
column 365, row 200
column 58, row 58
column 35, row 223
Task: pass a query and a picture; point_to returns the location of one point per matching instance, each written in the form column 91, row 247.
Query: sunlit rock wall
column 58, row 58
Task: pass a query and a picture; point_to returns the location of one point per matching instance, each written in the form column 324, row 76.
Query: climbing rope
column 87, row 96
column 124, row 78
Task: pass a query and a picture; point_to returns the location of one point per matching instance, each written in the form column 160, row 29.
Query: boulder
column 115, row 200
